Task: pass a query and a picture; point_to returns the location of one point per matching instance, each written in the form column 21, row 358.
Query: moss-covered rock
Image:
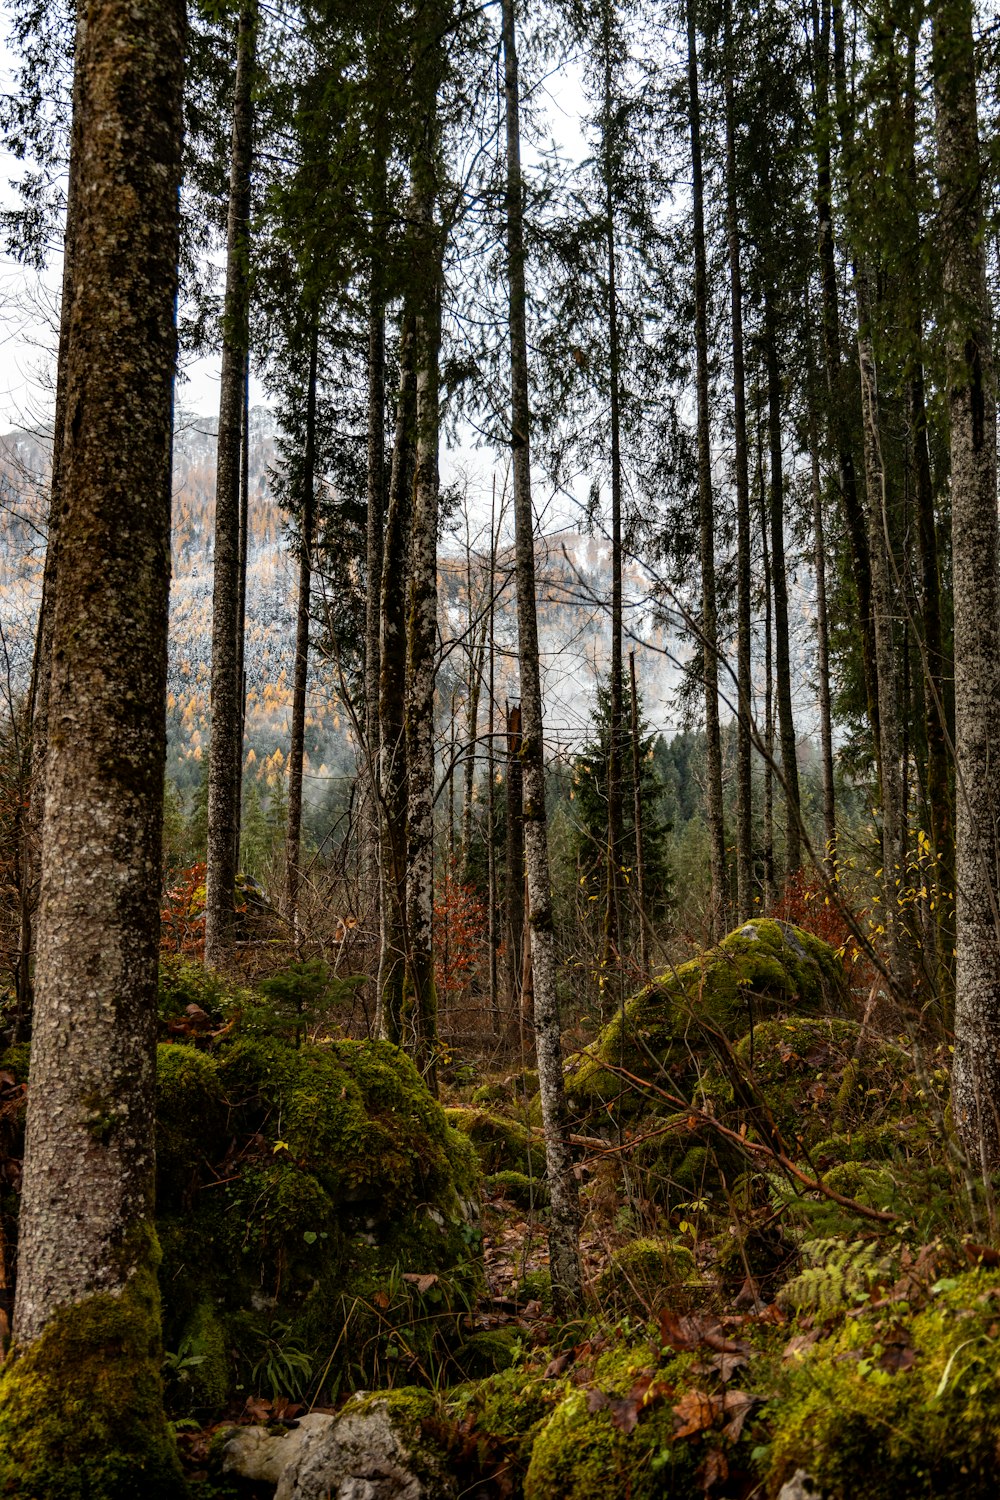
column 502, row 1144
column 318, row 1200
column 519, row 1189
column 641, row 1274
column 190, row 1118
column 762, row 968
column 825, row 1075
column 81, row 1411
column 487, row 1352
column 507, row 1411
column 898, row 1403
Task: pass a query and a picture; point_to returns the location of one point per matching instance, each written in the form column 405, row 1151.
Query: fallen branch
column 779, row 1158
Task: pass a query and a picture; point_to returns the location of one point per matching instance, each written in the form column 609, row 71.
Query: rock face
column 372, row 1450
column 256, row 1454
column 800, row 1487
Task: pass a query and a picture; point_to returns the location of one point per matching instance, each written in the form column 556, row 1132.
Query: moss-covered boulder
column 518, row 1188
column 502, row 1144
column 641, row 1275
column 763, row 968
column 645, row 1429
column 315, row 1204
column 897, row 1402
column 825, row 1075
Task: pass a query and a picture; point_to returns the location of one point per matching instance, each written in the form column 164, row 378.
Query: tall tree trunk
column 514, row 904
column 770, row 884
column 615, row 842
column 241, row 602
column 822, row 647
column 392, row 699
column 374, row 530
column 491, row 817
column 839, row 402
column 975, row 541
column 300, row 671
column 883, row 593
column 706, row 505
column 87, row 1260
column 225, row 749
column 421, row 656
column 564, row 1214
column 640, row 855
column 744, row 710
column 779, row 589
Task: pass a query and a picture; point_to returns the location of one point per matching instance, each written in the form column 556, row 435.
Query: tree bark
column 564, row 1213
column 706, row 505
column 744, row 709
column 822, row 649
column 975, row 541
column 640, row 857
column 225, row 749
column 300, row 670
column 779, row 589
column 86, row 1238
column 374, row 530
column 241, row 602
column 514, row 904
column 420, row 1030
column 839, row 419
column 615, row 854
column 392, row 699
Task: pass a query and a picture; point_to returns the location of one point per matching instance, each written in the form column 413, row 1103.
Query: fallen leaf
column 715, row 1469
column 896, row 1357
column 558, row 1365
column 799, row 1343
column 696, row 1411
column 736, row 1405
column 423, row 1283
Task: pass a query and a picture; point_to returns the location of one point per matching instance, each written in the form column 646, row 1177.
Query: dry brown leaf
column 696, row 1411
column 423, row 1283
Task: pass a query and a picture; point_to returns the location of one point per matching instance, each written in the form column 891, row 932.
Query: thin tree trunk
column 241, row 606
column 225, row 749
column 706, row 506
column 840, row 424
column 744, row 713
column 514, row 903
column 392, row 699
column 491, row 817
column 975, row 541
column 779, row 589
column 374, row 530
column 615, row 840
column 640, row 859
column 300, row 672
column 86, row 1261
column 893, row 823
column 564, row 1213
column 822, row 649
column 421, row 656
column 770, row 885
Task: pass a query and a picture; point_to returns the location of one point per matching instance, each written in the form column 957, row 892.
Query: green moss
column 81, row 1410
column 190, row 1118
column 916, row 1389
column 535, row 1286
column 762, row 967
column 507, row 1410
column 487, row 1352
column 199, row 1372
column 501, row 1144
column 643, row 1272
column 498, row 1091
column 16, row 1059
column 519, row 1189
column 824, row 1075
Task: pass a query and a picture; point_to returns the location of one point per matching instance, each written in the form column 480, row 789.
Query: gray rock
column 801, row 1486
column 255, row 1453
column 365, row 1454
